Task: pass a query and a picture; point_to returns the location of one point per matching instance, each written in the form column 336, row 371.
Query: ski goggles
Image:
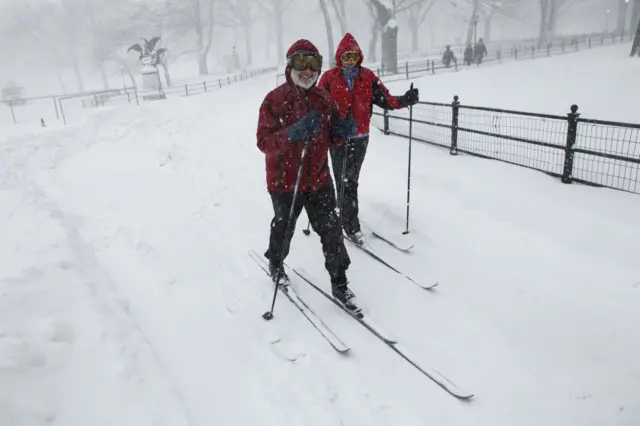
column 300, row 61
column 350, row 57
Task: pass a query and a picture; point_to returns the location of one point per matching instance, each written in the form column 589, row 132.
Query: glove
column 305, row 128
column 410, row 98
column 344, row 128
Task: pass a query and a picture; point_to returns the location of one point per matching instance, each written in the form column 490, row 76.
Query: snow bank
column 603, row 82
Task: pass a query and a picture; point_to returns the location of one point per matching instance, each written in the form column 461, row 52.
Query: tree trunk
column 247, row 40
column 389, row 36
column 622, row 17
column 390, row 48
column 165, row 68
column 279, row 37
column 202, row 55
column 553, row 21
column 635, row 47
column 544, row 22
column 472, row 24
column 338, row 7
column 414, row 36
column 487, row 27
column 76, row 69
column 103, row 76
column 327, row 25
column 373, row 43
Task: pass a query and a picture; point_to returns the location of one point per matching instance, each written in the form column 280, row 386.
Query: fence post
column 572, row 130
column 386, row 121
column 13, row 113
column 64, row 118
column 186, row 90
column 433, row 66
column 55, row 105
column 549, row 49
column 455, row 108
column 406, row 66
column 204, row 83
column 229, row 80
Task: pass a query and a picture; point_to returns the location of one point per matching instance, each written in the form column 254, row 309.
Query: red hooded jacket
column 282, row 107
column 367, row 89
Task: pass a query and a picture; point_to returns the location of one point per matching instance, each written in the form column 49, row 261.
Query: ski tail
column 327, row 333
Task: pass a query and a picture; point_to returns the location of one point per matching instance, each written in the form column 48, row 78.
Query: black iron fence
column 432, row 64
column 62, row 107
column 574, row 149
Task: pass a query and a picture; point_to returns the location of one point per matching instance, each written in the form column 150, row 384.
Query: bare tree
column 635, row 17
column 341, row 14
column 242, row 14
column 375, row 31
column 491, row 8
column 276, row 9
column 550, row 10
column 327, row 24
column 416, row 16
column 473, row 21
column 385, row 15
column 57, row 30
column 190, row 16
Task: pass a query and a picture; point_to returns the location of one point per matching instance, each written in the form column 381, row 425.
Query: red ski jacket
column 282, row 107
column 367, row 89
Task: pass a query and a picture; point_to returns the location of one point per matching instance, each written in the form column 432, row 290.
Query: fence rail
column 497, row 53
column 61, row 107
column 574, row 149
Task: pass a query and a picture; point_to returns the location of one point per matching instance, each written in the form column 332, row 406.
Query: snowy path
column 132, row 232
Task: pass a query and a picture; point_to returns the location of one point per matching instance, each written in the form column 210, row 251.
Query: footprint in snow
column 286, row 350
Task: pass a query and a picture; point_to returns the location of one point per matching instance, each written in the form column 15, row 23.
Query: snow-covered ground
column 603, row 82
column 127, row 296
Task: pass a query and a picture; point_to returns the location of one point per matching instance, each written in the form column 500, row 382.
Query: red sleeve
column 271, row 134
column 381, row 95
column 334, row 112
column 323, row 83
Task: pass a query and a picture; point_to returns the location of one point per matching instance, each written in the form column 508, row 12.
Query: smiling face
column 305, row 78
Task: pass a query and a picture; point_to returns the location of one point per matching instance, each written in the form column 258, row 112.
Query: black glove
column 305, row 128
column 344, row 128
column 410, row 98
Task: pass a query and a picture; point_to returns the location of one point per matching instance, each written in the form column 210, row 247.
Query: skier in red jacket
column 298, row 123
column 356, row 89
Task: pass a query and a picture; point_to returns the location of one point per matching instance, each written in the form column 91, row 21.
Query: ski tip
column 431, row 287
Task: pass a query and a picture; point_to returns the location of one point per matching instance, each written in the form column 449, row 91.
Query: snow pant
column 355, row 152
column 321, row 210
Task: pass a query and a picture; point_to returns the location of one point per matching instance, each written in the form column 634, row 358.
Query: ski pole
column 269, row 314
column 306, row 231
column 409, row 166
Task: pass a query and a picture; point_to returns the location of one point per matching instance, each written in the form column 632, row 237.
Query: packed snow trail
column 536, row 312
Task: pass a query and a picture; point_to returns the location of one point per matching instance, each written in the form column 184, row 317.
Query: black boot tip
column 267, row 316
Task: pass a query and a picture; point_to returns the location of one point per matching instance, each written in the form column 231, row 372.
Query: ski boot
column 342, row 292
column 356, row 237
column 282, row 279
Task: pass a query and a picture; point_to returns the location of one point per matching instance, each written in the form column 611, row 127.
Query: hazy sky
column 49, row 48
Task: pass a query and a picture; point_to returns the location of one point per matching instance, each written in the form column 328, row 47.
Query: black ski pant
column 356, row 149
column 321, row 210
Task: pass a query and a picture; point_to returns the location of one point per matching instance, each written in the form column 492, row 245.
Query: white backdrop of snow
column 127, row 297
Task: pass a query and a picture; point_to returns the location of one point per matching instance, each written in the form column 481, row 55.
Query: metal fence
column 62, row 107
column 594, row 152
column 499, row 53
